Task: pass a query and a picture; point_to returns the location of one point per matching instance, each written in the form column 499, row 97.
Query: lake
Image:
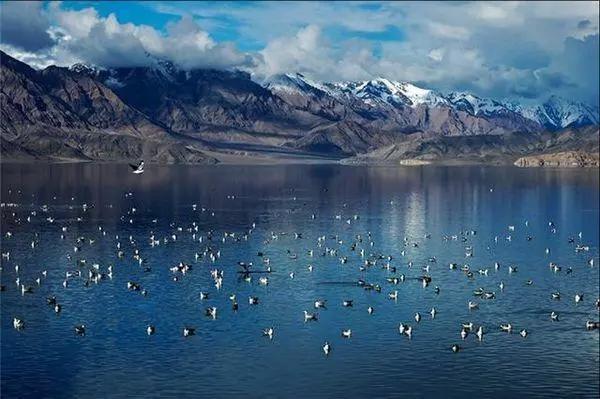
column 407, row 213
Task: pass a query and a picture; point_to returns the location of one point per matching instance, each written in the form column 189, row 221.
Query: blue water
column 229, row 357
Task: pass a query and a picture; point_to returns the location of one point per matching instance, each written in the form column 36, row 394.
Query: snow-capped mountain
column 475, row 105
column 558, row 113
column 293, row 83
column 555, row 113
column 162, row 102
column 394, row 93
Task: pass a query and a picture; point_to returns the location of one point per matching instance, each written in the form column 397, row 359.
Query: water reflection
column 229, row 357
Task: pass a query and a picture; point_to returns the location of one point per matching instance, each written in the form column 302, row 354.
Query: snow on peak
column 293, row 83
column 475, row 105
column 555, row 113
column 563, row 113
column 86, row 69
column 382, row 90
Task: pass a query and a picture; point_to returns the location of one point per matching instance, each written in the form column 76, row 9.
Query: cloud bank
column 525, row 50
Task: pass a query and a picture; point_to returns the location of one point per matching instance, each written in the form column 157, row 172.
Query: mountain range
column 166, row 114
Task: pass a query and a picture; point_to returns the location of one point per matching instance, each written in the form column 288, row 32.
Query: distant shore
column 570, row 161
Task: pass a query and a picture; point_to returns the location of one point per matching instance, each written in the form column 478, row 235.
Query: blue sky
column 525, row 50
column 218, row 20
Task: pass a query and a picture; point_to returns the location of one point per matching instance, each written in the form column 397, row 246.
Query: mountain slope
column 59, row 113
column 558, row 113
column 94, row 113
column 500, row 149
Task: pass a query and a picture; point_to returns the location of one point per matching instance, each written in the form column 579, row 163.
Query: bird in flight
column 137, row 169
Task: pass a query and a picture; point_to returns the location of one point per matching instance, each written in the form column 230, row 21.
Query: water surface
column 229, row 357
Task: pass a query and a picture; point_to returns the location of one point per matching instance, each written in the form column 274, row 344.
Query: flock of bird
column 358, row 252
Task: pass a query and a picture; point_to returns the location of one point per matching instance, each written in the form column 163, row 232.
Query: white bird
column 320, row 304
column 370, row 310
column 393, row 295
column 506, row 327
column 578, row 298
column 401, row 328
column 554, row 316
column 347, row 333
column 417, row 317
column 464, row 333
column 523, row 333
column 187, row 331
column 310, row 316
column 268, row 332
column 150, row 330
column 592, row 325
column 468, row 326
column 433, row 312
column 326, row 348
column 479, row 333
column 18, row 324
column 212, row 312
column 473, row 305
column 137, row 169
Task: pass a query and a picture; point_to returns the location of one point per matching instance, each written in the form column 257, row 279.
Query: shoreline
column 241, row 161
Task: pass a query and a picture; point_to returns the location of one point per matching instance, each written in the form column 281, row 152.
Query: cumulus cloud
column 85, row 36
column 300, row 52
column 497, row 49
column 25, row 25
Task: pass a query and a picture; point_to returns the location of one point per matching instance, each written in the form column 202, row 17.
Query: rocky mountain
column 58, row 113
column 558, row 113
column 553, row 114
column 566, row 145
column 167, row 114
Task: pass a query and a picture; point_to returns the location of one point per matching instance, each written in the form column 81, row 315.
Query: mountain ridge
column 173, row 115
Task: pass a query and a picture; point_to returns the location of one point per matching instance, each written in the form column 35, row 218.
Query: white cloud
column 12, row 17
column 437, row 54
column 496, row 49
column 85, row 36
column 299, row 52
column 448, row 31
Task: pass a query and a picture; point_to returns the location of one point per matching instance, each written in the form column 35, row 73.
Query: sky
column 506, row 50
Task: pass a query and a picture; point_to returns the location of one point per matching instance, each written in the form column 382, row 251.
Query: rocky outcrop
column 567, row 159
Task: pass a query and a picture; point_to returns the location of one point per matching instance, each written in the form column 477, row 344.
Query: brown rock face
column 60, row 114
column 567, row 159
column 564, row 148
column 171, row 115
